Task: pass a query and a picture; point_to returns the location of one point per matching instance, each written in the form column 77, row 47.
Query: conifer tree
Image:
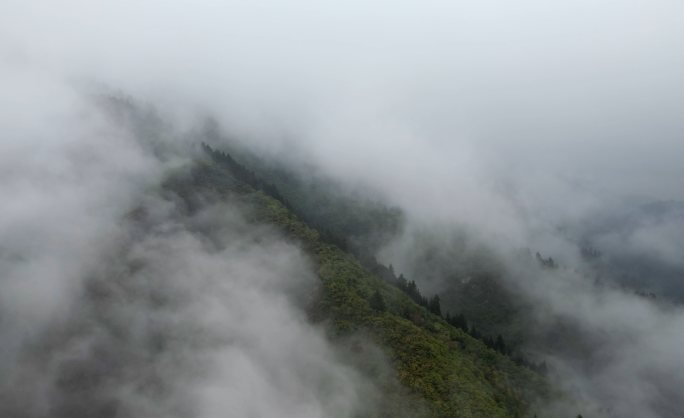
column 402, row 284
column 434, row 306
column 412, row 291
column 461, row 322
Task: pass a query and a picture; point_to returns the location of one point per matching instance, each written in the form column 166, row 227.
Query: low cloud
column 116, row 303
column 506, row 120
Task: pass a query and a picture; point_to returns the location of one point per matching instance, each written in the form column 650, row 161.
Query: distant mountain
column 642, row 246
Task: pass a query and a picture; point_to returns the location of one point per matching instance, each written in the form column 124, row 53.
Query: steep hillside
column 446, row 371
column 467, row 279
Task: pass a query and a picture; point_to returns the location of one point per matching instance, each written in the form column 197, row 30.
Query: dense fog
column 526, row 125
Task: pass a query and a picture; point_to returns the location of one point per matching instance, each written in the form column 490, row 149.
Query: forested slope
column 446, row 371
column 471, row 292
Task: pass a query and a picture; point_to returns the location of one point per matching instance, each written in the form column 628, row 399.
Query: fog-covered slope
column 641, row 246
column 171, row 278
column 210, row 298
column 557, row 309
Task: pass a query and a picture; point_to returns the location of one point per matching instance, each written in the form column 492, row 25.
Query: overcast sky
column 588, row 91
